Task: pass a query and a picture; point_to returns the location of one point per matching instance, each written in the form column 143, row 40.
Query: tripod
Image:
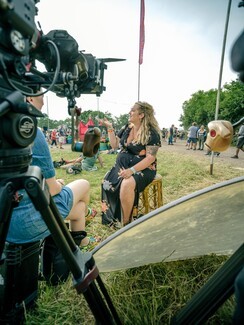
column 82, row 265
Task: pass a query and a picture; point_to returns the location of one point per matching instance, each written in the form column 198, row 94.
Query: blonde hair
column 149, row 121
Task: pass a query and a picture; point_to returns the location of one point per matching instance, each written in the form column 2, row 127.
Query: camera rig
column 69, row 74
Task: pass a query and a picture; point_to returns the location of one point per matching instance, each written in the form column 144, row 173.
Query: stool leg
column 155, row 196
column 160, row 195
column 146, row 203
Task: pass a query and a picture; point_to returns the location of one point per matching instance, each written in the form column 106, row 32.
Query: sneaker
column 236, row 157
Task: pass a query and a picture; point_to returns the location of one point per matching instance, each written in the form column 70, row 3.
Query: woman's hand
column 106, row 122
column 55, row 185
column 125, row 173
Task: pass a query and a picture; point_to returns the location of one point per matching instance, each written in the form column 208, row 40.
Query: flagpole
column 139, row 79
column 220, row 75
column 141, row 44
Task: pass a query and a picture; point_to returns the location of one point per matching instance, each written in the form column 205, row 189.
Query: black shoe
column 236, row 157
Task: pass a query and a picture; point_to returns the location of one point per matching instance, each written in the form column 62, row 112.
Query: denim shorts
column 193, row 140
column 27, row 224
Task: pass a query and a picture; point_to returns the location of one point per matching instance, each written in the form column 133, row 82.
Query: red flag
column 142, row 32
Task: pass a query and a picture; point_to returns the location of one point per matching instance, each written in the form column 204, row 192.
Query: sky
column 182, row 51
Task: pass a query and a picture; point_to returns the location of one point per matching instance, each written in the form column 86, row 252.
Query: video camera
column 21, row 44
column 69, row 74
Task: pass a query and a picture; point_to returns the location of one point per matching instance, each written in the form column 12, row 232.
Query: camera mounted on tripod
column 69, row 74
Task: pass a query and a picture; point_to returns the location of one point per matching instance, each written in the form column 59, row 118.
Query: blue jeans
column 170, row 139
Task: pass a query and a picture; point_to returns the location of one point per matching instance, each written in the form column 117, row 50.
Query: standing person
column 62, row 135
column 175, row 134
column 27, row 224
column 171, row 134
column 54, row 138
column 201, row 135
column 135, row 166
column 240, row 142
column 192, row 137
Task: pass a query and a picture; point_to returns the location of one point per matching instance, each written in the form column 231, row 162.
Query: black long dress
column 130, row 155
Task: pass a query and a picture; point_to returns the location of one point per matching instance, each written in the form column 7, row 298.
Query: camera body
column 69, row 73
column 21, row 43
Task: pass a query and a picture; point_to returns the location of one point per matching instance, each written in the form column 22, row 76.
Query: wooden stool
column 152, row 196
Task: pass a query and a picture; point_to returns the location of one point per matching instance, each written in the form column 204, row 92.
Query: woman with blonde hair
column 135, row 166
column 201, row 136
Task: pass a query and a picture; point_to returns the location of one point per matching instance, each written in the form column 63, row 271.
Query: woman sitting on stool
column 135, row 167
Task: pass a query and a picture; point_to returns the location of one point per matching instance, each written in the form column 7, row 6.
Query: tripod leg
column 6, row 194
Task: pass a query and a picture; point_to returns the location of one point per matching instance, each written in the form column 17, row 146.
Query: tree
column 232, row 105
column 120, row 121
column 95, row 115
column 201, row 107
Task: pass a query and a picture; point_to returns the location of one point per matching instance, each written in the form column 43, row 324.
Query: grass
column 150, row 294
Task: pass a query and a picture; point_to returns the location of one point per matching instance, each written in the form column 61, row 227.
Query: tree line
column 200, row 108
column 118, row 122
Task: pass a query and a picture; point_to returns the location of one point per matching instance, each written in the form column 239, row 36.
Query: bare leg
column 127, row 196
column 71, row 162
column 81, row 198
column 66, row 165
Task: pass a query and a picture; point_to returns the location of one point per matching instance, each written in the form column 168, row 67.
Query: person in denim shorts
column 27, row 224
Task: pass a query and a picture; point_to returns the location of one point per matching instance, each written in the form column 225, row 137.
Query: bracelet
column 133, row 170
column 110, row 130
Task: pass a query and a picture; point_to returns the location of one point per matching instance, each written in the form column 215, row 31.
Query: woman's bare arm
column 55, row 185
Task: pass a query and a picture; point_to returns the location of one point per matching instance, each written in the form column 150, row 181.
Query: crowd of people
column 57, row 137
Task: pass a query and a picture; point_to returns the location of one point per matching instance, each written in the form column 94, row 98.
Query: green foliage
column 120, row 121
column 52, row 124
column 232, row 105
column 94, row 115
column 200, row 108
